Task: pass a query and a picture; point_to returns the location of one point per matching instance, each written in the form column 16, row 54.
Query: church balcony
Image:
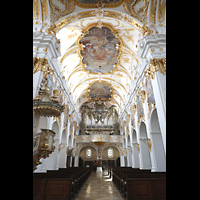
column 107, row 130
column 99, row 138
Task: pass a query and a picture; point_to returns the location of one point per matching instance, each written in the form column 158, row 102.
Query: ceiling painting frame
column 82, row 81
column 115, row 33
column 90, row 84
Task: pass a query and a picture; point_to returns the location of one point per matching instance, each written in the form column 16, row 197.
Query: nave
column 99, row 186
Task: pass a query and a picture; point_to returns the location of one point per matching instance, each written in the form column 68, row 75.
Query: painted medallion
column 99, row 50
column 100, row 91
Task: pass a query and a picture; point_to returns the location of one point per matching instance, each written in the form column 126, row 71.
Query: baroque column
column 152, row 50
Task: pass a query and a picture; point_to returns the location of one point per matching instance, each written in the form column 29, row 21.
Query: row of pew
column 136, row 184
column 60, row 184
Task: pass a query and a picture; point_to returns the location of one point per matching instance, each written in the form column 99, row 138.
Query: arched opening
column 70, row 141
column 74, row 143
column 52, row 161
column 129, row 150
column 69, row 151
column 136, row 163
column 63, row 146
column 64, row 137
column 145, row 160
column 125, row 156
column 88, row 156
column 110, row 157
column 157, row 143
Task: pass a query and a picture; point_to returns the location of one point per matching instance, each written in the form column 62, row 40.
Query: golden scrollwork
column 137, row 9
column 89, row 13
column 156, row 65
column 41, row 64
column 51, row 29
column 129, row 117
column 143, row 95
column 134, row 107
column 146, row 30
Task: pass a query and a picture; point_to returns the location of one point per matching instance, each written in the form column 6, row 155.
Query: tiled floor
column 99, row 186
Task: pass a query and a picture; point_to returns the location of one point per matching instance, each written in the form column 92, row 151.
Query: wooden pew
column 126, row 180
column 59, row 184
column 49, row 187
column 148, row 188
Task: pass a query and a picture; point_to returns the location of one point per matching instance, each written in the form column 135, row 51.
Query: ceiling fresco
column 80, row 78
column 99, row 50
column 109, row 31
column 100, row 91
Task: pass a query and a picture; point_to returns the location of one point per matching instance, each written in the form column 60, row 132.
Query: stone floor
column 99, row 186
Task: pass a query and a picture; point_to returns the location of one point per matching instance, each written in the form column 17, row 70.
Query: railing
column 108, row 130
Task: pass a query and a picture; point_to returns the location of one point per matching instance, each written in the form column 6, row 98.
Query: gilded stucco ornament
column 41, row 64
column 146, row 31
column 156, row 65
column 51, row 29
column 138, row 9
column 142, row 95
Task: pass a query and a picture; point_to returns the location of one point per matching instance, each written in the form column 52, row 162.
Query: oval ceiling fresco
column 100, row 91
column 99, row 53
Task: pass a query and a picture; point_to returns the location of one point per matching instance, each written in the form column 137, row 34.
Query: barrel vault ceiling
column 98, row 45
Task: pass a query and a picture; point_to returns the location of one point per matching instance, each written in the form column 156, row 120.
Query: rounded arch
column 129, row 156
column 157, row 143
column 154, row 124
column 116, row 152
column 82, row 153
column 142, row 131
column 85, row 146
column 55, row 128
column 112, row 145
column 136, row 163
column 134, row 136
column 64, row 137
column 70, row 141
column 128, row 141
column 145, row 160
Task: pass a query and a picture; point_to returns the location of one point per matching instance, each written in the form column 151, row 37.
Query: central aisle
column 99, row 186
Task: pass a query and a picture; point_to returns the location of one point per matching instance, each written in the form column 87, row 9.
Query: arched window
column 110, row 153
column 88, row 153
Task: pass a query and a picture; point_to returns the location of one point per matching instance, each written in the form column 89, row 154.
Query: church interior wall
column 144, row 143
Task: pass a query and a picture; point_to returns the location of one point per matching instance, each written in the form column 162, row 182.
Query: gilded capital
column 146, row 30
column 156, row 65
column 51, row 29
column 41, row 64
